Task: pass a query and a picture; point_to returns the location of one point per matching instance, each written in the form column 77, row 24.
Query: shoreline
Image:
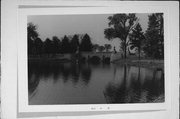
column 48, row 60
column 150, row 63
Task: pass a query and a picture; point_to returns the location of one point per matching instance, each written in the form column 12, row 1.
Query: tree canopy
column 136, row 38
column 56, row 44
column 74, row 43
column 120, row 26
column 154, row 43
column 86, row 44
column 47, row 46
column 32, row 35
column 65, row 45
column 32, row 31
column 68, row 44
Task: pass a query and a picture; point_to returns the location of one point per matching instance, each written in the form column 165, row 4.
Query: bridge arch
column 101, row 55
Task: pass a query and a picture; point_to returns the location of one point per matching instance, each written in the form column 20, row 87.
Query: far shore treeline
column 125, row 27
column 56, row 46
column 67, row 44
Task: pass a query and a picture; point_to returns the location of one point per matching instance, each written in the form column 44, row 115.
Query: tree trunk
column 125, row 45
column 139, row 53
column 125, row 50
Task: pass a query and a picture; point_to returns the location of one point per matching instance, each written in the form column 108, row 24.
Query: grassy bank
column 151, row 63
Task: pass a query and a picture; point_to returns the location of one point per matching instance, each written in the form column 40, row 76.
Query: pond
column 54, row 82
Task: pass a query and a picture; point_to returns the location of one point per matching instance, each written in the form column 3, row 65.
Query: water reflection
column 84, row 83
column 137, row 90
column 64, row 71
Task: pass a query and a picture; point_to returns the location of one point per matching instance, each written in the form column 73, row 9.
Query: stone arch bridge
column 101, row 55
column 88, row 55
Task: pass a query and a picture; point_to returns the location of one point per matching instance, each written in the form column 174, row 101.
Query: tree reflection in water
column 137, row 91
column 120, row 84
column 59, row 71
column 86, row 75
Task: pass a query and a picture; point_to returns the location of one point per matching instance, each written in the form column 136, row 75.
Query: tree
column 154, row 43
column 95, row 47
column 30, row 46
column 48, row 46
column 32, row 35
column 74, row 43
column 65, row 45
column 86, row 44
column 136, row 38
column 56, row 45
column 32, row 31
column 101, row 48
column 107, row 47
column 120, row 26
column 38, row 46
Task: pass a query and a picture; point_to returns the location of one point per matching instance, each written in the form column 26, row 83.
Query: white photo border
column 22, row 59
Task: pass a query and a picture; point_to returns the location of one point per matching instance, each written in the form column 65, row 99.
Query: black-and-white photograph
column 95, row 58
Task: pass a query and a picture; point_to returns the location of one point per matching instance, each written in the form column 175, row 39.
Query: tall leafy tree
column 30, row 46
column 48, row 46
column 56, row 45
column 86, row 44
column 32, row 34
column 107, row 47
column 65, row 45
column 120, row 26
column 32, row 31
column 154, row 44
column 74, row 43
column 136, row 39
column 38, row 45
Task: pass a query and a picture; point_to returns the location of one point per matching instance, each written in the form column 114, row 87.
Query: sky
column 92, row 24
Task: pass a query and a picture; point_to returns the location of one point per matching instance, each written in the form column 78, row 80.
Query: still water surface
column 70, row 83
